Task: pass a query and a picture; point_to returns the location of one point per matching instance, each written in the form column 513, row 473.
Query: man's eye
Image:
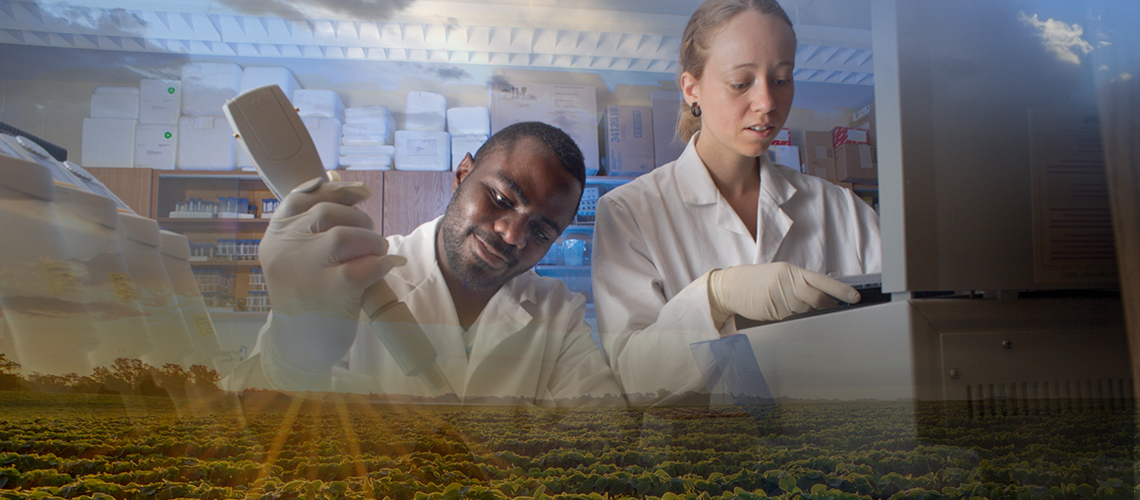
column 500, row 200
column 541, row 236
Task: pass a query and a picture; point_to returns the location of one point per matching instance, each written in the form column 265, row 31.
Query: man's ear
column 465, row 166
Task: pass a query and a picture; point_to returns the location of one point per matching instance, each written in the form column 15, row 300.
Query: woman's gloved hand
column 772, row 292
column 318, row 256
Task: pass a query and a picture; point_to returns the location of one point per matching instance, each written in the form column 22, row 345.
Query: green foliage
column 104, row 447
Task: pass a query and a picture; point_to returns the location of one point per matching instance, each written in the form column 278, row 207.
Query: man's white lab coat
column 530, row 342
column 657, row 237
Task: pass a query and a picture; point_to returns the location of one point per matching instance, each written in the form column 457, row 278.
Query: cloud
column 99, row 20
column 359, row 10
column 1059, row 38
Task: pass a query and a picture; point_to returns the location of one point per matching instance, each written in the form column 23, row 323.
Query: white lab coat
column 530, row 342
column 657, row 237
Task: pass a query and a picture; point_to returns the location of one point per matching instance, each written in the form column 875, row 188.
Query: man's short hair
column 564, row 148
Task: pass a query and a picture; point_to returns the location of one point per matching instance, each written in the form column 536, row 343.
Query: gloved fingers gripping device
column 773, row 291
column 270, row 130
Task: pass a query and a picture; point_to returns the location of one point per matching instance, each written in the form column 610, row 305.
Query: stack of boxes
column 469, row 129
column 782, row 152
column 156, row 136
column 323, row 115
column 367, row 140
column 205, row 140
column 423, row 144
column 109, row 134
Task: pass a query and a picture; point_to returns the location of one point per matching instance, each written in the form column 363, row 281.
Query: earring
column 695, row 110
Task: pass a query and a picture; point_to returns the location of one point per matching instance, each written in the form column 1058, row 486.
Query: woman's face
column 746, row 91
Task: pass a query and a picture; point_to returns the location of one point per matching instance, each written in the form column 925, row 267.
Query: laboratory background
column 996, row 142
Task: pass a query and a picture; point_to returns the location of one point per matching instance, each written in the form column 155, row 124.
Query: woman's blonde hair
column 705, row 23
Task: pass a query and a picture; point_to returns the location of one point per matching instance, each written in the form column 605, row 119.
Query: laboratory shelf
column 225, row 263
column 561, row 269
column 227, row 224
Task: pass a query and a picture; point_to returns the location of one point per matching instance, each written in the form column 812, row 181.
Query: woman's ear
column 689, row 88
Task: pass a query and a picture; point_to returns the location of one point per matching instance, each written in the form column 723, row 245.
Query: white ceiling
column 594, row 35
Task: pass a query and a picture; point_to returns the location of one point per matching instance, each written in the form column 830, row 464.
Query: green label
column 170, row 90
column 168, row 135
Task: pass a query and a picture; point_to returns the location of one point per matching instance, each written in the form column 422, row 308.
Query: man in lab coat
column 498, row 329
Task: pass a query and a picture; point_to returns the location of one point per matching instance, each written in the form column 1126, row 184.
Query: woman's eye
column 782, row 82
column 739, row 86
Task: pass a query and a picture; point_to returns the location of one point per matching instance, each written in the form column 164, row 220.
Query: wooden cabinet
column 412, row 198
column 135, row 186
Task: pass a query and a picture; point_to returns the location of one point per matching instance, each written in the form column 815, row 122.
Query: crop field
column 275, row 447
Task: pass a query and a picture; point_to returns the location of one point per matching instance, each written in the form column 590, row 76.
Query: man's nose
column 512, row 228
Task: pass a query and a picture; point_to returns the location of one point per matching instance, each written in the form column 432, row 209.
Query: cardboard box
column 160, row 101
column 788, row 156
column 108, row 142
column 666, row 109
column 818, row 146
column 848, row 135
column 423, row 150
column 629, row 140
column 822, row 168
column 864, row 119
column 783, row 138
column 855, row 163
column 156, row 146
column 573, row 108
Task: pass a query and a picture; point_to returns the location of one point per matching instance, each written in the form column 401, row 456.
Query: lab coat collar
column 692, row 177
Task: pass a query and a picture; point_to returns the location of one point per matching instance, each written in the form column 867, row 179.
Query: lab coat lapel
column 698, row 190
column 505, row 338
column 772, row 222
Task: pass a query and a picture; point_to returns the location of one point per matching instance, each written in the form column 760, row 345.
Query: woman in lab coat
column 722, row 230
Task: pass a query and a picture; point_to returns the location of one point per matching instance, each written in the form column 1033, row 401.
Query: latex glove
column 318, row 256
column 772, row 292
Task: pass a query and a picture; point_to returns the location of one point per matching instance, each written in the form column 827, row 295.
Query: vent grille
column 1049, row 397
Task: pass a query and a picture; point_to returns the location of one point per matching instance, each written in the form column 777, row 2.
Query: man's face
column 505, row 214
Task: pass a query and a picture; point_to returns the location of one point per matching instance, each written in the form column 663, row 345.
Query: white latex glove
column 319, row 255
column 772, row 292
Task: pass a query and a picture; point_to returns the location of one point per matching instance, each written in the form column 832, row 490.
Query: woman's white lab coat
column 657, row 237
column 530, row 343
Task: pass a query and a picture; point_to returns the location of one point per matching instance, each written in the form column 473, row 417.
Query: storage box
column 160, row 101
column 207, row 86
column 425, row 111
column 818, row 146
column 666, row 109
column 461, row 145
column 255, row 76
column 423, row 150
column 788, row 156
column 319, row 103
column 847, row 135
column 822, row 168
column 206, row 143
column 572, row 108
column 326, row 136
column 115, row 102
column 372, row 150
column 469, row 121
column 629, row 140
column 156, row 146
column 783, row 138
column 108, row 142
column 366, row 162
column 865, row 119
column 855, row 163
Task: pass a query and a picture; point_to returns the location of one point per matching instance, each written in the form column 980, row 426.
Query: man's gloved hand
column 772, row 292
column 319, row 255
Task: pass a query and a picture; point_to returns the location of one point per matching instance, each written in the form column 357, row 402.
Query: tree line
column 124, row 376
